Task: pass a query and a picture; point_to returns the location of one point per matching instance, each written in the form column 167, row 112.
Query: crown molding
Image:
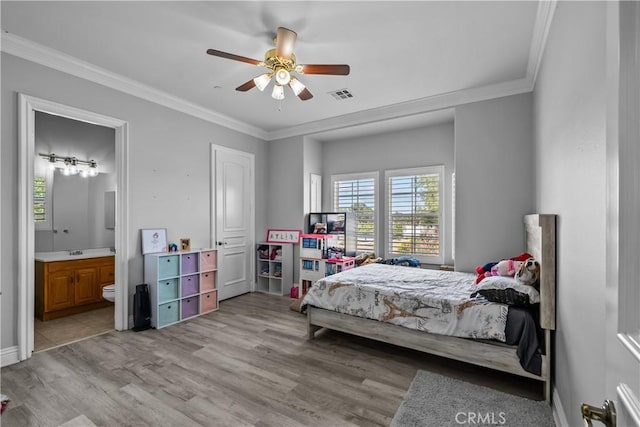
column 405, row 109
column 34, row 52
column 544, row 16
column 60, row 61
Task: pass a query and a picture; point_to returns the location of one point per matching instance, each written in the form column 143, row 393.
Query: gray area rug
column 438, row 401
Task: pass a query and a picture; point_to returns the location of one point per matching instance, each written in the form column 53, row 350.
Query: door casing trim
column 28, row 105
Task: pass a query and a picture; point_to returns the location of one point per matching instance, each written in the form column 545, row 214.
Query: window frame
column 48, row 175
column 375, row 175
column 424, row 170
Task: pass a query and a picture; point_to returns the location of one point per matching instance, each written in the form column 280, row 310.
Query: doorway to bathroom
column 97, row 235
column 74, row 219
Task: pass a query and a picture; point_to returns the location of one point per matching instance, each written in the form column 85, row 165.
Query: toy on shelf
column 276, row 253
column 263, row 252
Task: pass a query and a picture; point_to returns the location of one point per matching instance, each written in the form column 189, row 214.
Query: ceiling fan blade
column 246, row 86
column 335, row 69
column 305, row 94
column 285, row 39
column 226, row 55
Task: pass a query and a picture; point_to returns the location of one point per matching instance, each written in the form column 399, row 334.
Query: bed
column 480, row 349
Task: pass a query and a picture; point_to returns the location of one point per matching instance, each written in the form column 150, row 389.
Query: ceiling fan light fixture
column 262, row 81
column 282, row 76
column 278, row 92
column 296, row 85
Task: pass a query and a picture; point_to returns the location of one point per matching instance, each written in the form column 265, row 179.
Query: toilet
column 109, row 292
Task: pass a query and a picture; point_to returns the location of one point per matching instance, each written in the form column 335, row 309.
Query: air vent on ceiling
column 341, row 94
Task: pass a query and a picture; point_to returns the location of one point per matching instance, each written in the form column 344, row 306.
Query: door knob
column 220, row 243
column 606, row 414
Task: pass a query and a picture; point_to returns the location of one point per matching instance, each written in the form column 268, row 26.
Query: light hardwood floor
column 248, row 364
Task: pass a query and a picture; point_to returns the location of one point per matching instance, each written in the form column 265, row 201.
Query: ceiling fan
column 281, row 63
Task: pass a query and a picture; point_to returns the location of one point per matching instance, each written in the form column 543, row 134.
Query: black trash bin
column 141, row 308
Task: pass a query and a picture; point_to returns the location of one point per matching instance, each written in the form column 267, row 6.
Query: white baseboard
column 559, row 417
column 9, row 356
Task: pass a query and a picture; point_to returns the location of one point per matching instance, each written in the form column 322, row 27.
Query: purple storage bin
column 189, row 307
column 189, row 263
column 189, row 285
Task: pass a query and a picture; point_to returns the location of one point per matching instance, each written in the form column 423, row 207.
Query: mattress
column 433, row 301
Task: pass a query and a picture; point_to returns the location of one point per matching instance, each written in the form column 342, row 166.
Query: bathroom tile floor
column 65, row 330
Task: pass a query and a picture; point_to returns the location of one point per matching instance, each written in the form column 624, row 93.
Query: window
column 39, row 199
column 414, row 215
column 42, row 208
column 357, row 193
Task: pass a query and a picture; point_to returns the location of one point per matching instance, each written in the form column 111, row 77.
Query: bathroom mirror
column 80, row 211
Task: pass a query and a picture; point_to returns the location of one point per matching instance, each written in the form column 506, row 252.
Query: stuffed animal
column 485, row 270
column 529, row 272
column 482, row 271
column 506, row 267
column 276, row 253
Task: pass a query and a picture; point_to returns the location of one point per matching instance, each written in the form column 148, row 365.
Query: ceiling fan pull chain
column 280, row 105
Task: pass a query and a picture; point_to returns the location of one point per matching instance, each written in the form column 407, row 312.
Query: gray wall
column 494, row 179
column 570, row 114
column 285, row 166
column 426, row 146
column 286, row 189
column 169, row 167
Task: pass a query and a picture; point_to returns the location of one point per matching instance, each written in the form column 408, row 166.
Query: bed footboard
column 501, row 358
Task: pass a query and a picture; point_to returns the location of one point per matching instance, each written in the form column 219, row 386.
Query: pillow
column 507, row 290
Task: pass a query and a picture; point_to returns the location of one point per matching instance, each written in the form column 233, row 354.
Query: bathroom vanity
column 68, row 284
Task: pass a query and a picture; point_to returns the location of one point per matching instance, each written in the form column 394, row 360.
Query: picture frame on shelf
column 154, row 240
column 283, row 236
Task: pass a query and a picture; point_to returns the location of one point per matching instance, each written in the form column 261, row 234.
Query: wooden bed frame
column 540, row 237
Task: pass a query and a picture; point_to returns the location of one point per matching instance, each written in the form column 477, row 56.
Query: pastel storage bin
column 168, row 313
column 167, row 289
column 189, row 285
column 189, row 263
column 189, row 307
column 168, row 266
column 208, row 260
column 209, row 301
column 207, row 281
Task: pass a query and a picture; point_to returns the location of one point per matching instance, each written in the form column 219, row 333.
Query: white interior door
column 233, row 213
column 622, row 338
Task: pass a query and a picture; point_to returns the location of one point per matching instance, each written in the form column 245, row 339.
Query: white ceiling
column 406, row 58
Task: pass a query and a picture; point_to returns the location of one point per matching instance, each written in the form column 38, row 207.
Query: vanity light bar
column 71, row 165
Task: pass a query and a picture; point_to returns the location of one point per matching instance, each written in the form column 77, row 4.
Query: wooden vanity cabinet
column 86, row 287
column 60, row 290
column 69, row 287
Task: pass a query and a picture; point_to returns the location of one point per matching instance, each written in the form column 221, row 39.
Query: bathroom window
column 42, row 201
